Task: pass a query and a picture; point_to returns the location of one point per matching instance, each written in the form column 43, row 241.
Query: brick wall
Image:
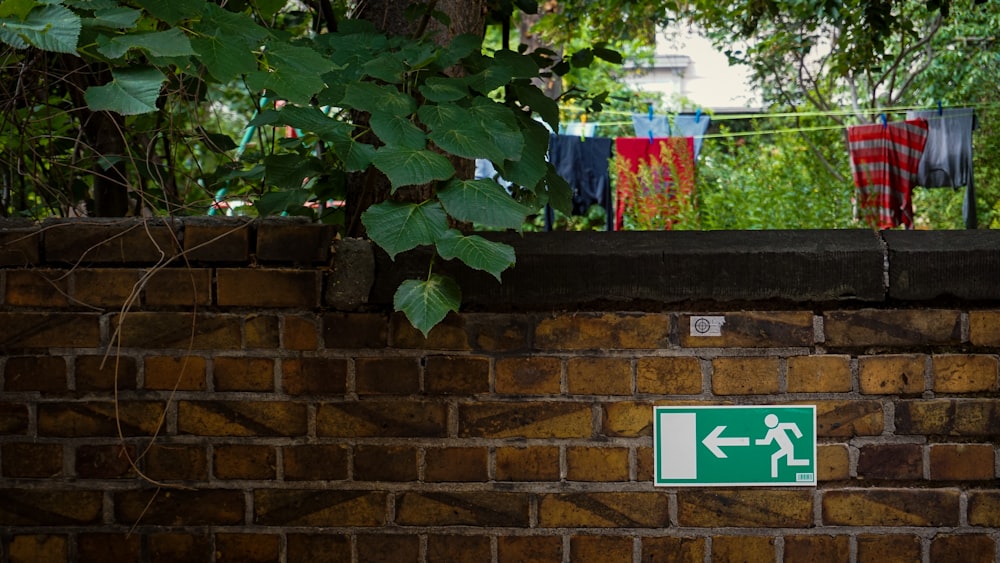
column 232, row 391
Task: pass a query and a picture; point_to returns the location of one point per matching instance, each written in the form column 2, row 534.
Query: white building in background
column 687, row 66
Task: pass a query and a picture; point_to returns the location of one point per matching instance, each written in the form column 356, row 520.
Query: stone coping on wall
column 553, row 270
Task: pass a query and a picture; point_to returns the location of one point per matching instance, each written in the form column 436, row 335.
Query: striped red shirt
column 884, row 162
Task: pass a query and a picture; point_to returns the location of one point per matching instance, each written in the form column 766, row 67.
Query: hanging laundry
column 659, row 190
column 658, row 126
column 584, row 164
column 885, row 158
column 578, row 129
column 486, row 170
column 947, row 159
column 685, row 125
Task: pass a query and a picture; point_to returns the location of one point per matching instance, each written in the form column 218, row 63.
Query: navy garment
column 947, row 158
column 584, row 164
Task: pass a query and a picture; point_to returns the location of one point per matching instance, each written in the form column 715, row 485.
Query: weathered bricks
column 757, row 329
column 526, row 420
column 948, row 417
column 603, row 510
column 899, row 327
column 891, row 507
column 496, row 509
column 604, row 331
column 53, row 507
column 267, row 287
column 241, row 418
column 819, row 374
column 745, row 376
column 744, row 508
column 669, row 376
column 381, row 419
column 309, row 507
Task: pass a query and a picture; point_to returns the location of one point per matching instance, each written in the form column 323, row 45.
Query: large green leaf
column 294, row 72
column 398, row 227
column 522, row 66
column 409, row 167
column 490, row 78
column 289, row 171
column 425, row 303
column 355, row 155
column 310, row 118
column 438, row 89
column 395, row 129
column 116, row 18
column 174, row 10
column 456, row 130
column 476, row 252
column 366, row 96
column 560, row 193
column 50, row 28
column 500, row 122
column 275, row 203
column 531, row 167
column 388, row 67
column 544, row 106
column 130, row 92
column 484, row 202
column 169, row 43
column 224, row 57
column 18, row 9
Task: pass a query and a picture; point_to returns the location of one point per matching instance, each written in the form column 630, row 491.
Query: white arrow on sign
column 714, row 442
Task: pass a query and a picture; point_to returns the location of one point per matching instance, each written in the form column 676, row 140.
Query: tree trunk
column 389, row 16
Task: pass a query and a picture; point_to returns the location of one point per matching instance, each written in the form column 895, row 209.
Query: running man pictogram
column 779, row 433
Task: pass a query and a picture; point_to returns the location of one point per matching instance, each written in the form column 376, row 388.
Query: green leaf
column 174, row 10
column 397, row 130
column 398, row 227
column 50, row 28
column 490, row 78
column 582, row 58
column 130, row 92
column 522, row 66
column 355, row 155
column 170, row 43
column 294, row 72
column 531, row 167
column 437, row 89
column 425, row 303
column 559, row 191
column 275, row 203
column 544, row 106
column 226, row 42
column 16, row 8
column 311, row 119
column 609, row 55
column 366, row 96
column 116, row 18
column 484, row 202
column 476, row 252
column 387, row 67
column 501, row 124
column 268, row 8
column 458, row 131
column 289, row 171
column 409, row 167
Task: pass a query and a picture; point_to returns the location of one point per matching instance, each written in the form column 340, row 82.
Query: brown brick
column 246, row 548
column 179, row 330
column 86, row 241
column 37, row 288
column 20, row 246
column 891, row 461
column 505, row 332
column 603, row 549
column 817, row 548
column 449, row 334
column 263, row 331
column 964, row 373
column 742, row 549
column 456, row 464
column 456, row 375
column 185, row 373
column 218, row 240
column 267, row 287
column 745, row 376
column 178, row 287
column 967, row 548
column 355, row 330
column 245, row 461
column 176, row 462
column 753, row 329
column 172, row 547
column 49, row 330
column 627, row 419
column 487, row 508
column 282, row 239
column 385, row 463
column 32, row 460
column 890, row 507
column 405, row 419
column 984, row 328
column 669, row 376
column 243, row 374
column 105, row 462
column 524, row 420
column 315, row 462
column 584, row 463
column 528, row 375
column 123, row 548
column 604, row 510
column 324, row 508
column 849, row 418
column 672, row 549
column 599, row 376
column 50, row 507
column 948, row 417
column 645, row 463
column 387, row 376
column 35, row 373
column 889, row 548
column 745, row 508
column 833, row 462
column 106, row 287
column 896, row 374
column 447, row 549
column 901, row 327
column 388, row 548
column 99, row 418
column 36, row 548
column 314, row 376
column 964, row 462
column 984, row 508
column 13, row 419
column 603, row 331
column 535, row 463
column 95, row 373
column 819, row 374
column 241, row 418
column 529, row 549
column 318, row 548
column 299, row 332
column 203, row 507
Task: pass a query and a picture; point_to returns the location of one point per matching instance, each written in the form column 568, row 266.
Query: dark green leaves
column 425, row 303
column 131, row 91
column 50, row 28
column 398, row 227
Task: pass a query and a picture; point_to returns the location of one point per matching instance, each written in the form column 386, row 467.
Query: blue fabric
column 584, row 165
column 684, row 125
column 947, row 158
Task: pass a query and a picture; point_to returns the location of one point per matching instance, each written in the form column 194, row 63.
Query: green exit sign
column 747, row 446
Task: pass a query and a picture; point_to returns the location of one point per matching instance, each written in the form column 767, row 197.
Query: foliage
column 658, row 194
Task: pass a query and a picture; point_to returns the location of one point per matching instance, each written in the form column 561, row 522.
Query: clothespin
column 650, row 107
column 697, row 115
column 940, row 111
column 583, row 127
column 885, row 122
